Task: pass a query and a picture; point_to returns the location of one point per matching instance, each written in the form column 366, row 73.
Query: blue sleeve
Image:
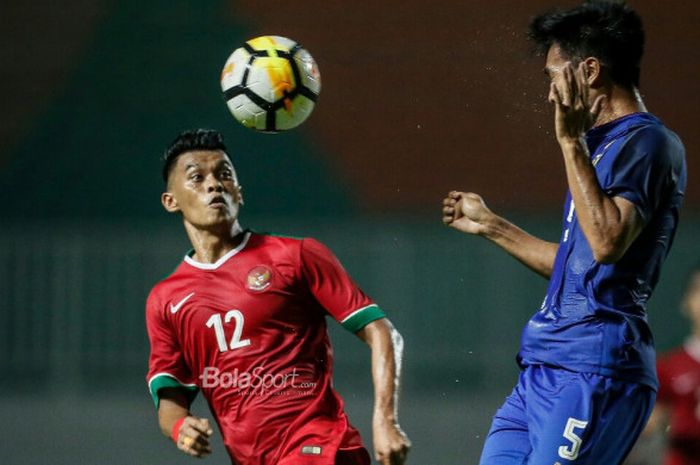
column 640, row 170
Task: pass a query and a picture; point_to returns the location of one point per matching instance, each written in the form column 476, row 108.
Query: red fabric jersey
column 249, row 331
column 679, row 378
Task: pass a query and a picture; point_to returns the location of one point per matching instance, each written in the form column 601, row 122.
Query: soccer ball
column 270, row 84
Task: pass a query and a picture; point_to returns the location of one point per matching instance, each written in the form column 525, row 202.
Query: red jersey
column 249, row 331
column 679, row 378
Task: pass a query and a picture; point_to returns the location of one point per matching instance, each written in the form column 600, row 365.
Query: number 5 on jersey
column 571, row 452
column 218, row 324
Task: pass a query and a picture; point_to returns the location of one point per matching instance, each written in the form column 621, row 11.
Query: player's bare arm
column 658, row 420
column 193, row 433
column 610, row 224
column 391, row 444
column 467, row 212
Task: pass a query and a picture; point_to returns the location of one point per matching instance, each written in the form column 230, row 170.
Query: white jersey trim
column 692, row 347
column 222, row 260
column 158, row 375
column 356, row 312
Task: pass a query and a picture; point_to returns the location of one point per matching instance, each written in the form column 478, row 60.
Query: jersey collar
column 619, row 127
column 213, row 266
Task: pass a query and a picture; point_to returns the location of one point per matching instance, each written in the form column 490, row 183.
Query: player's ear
column 240, row 195
column 169, row 202
column 593, row 71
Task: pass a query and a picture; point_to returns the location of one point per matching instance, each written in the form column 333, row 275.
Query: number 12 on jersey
column 236, row 341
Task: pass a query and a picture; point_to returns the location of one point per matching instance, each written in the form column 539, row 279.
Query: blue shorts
column 559, row 416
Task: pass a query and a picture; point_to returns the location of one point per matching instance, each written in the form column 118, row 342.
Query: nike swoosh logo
column 177, row 306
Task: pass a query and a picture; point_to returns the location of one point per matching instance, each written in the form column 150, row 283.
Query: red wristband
column 176, row 429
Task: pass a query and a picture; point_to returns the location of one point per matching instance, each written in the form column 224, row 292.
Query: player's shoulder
column 162, row 289
column 297, row 249
column 273, row 239
column 653, row 137
column 157, row 294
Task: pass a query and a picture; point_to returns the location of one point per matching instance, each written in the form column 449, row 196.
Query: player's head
column 691, row 298
column 201, row 182
column 190, row 140
column 607, row 32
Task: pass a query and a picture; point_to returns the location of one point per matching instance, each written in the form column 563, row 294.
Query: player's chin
column 221, row 208
column 215, row 223
column 221, row 214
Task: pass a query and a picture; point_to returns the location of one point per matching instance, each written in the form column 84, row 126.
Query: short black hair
column 193, row 139
column 608, row 30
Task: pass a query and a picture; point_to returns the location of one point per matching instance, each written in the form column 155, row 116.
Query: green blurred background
column 417, row 99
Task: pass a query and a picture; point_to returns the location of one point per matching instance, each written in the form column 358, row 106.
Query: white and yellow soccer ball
column 270, row 84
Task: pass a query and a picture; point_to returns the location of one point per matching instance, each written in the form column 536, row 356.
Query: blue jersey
column 593, row 318
column 555, row 414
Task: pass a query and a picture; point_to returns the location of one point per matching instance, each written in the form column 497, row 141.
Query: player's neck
column 619, row 103
column 209, row 246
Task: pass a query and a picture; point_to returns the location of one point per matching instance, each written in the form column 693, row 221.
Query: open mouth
column 217, row 201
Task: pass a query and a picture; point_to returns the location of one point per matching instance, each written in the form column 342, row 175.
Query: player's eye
column 195, row 177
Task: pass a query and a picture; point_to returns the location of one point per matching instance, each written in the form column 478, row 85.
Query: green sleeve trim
column 362, row 317
column 161, row 381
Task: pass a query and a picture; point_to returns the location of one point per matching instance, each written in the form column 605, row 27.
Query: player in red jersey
column 674, row 425
column 242, row 319
column 677, row 407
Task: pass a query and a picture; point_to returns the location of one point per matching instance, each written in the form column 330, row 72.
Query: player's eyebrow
column 191, row 165
column 224, row 164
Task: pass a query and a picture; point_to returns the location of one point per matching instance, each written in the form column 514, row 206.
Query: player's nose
column 213, row 184
column 551, row 98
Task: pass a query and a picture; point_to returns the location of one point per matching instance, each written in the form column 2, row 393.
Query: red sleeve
column 166, row 365
column 333, row 288
column 664, row 369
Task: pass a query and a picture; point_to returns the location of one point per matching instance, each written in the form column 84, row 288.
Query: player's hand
column 391, row 444
column 193, row 438
column 465, row 212
column 569, row 93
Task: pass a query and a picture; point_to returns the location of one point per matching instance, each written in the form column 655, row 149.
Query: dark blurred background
column 418, row 98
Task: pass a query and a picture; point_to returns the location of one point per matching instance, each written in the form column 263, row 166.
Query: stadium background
column 418, row 98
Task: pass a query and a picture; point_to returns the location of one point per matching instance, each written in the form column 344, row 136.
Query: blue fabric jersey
column 559, row 416
column 593, row 318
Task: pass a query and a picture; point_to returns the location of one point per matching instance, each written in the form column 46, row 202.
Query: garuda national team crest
column 259, row 278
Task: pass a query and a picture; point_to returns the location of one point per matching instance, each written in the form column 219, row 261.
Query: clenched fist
column 193, row 437
column 466, row 212
column 391, row 445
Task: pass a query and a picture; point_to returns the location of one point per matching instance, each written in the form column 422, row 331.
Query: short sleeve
column 640, row 171
column 330, row 284
column 166, row 365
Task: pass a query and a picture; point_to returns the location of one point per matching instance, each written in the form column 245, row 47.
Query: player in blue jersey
column 588, row 380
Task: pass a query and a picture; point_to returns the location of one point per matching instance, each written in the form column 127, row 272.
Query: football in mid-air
column 270, row 84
